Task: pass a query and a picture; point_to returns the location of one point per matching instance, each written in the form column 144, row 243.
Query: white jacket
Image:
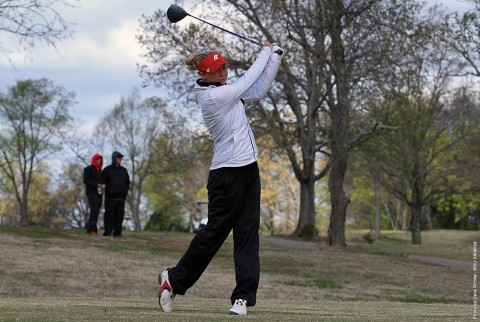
column 224, row 113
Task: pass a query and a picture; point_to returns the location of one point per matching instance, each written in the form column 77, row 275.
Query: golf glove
column 278, row 50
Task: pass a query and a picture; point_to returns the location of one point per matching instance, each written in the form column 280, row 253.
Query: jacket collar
column 201, row 83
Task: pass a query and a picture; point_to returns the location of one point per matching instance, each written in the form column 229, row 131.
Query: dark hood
column 115, row 155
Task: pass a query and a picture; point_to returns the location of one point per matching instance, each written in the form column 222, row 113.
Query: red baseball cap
column 212, row 62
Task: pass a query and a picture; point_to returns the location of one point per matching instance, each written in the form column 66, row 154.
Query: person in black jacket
column 92, row 177
column 117, row 183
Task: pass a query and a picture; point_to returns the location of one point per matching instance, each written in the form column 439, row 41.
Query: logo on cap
column 212, row 62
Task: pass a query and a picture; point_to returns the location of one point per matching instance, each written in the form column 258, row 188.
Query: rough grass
column 450, row 244
column 201, row 309
column 67, row 275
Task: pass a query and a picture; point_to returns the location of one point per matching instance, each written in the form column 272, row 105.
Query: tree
column 71, row 202
column 372, row 206
column 279, row 207
column 459, row 206
column 461, row 33
column 415, row 157
column 33, row 114
column 339, row 115
column 41, row 202
column 31, row 21
column 179, row 176
column 338, row 52
column 132, row 128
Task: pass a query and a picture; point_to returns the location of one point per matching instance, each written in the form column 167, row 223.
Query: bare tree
column 33, row 114
column 131, row 128
column 33, row 20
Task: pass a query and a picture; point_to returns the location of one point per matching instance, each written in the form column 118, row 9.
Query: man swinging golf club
column 233, row 181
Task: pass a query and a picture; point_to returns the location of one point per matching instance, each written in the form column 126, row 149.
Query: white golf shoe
column 239, row 307
column 165, row 294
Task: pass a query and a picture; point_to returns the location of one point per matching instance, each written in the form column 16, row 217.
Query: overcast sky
column 99, row 62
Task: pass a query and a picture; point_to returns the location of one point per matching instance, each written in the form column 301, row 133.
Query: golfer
column 233, row 181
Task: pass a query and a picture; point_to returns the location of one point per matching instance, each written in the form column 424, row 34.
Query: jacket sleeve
column 264, row 83
column 88, row 179
column 225, row 96
column 105, row 177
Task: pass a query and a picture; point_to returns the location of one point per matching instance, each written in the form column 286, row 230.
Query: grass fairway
column 83, row 310
column 48, row 275
column 450, row 244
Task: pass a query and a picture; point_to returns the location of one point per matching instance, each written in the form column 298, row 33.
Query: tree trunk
column 416, row 206
column 339, row 200
column 306, row 221
column 340, row 127
column 136, row 213
column 23, row 214
column 24, row 208
column 378, row 205
column 415, row 227
column 137, row 224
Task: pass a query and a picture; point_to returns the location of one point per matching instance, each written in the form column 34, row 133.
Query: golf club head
column 176, row 13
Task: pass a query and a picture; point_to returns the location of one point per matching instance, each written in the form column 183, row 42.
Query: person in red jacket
column 92, row 177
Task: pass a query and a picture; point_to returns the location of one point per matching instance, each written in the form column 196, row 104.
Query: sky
column 99, row 63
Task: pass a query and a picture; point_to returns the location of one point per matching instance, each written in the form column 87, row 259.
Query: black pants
column 113, row 217
column 234, row 203
column 94, row 203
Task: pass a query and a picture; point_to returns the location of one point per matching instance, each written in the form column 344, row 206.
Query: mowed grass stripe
column 199, row 309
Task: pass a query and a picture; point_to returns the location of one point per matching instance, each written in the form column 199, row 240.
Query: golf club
column 176, row 13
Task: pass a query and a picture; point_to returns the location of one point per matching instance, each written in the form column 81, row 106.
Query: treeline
column 373, row 121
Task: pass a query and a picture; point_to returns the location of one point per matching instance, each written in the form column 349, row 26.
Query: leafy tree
column 372, row 206
column 70, row 199
column 179, row 175
column 279, row 205
column 414, row 158
column 41, row 203
column 459, row 206
column 33, row 113
column 8, row 204
column 461, row 34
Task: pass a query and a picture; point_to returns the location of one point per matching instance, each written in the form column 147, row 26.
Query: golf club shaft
column 230, row 32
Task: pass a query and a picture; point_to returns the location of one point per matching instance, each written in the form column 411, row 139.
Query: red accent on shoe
column 165, row 286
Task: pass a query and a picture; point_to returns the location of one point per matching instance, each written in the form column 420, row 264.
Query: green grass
column 34, row 232
column 449, row 244
column 48, row 275
column 198, row 309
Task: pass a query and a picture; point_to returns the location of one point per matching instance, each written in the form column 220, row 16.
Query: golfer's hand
column 278, row 50
column 268, row 44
